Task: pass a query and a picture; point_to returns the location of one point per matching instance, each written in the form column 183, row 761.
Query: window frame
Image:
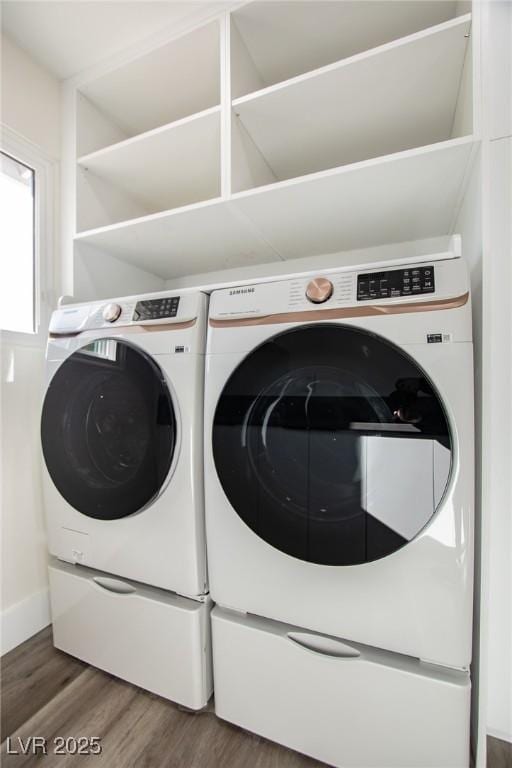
column 45, row 184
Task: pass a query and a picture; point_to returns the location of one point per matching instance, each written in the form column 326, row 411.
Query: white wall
column 30, row 99
column 24, row 576
column 497, row 369
column 30, row 106
column 498, row 440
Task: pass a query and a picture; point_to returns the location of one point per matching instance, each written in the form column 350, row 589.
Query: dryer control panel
column 390, row 284
column 377, row 285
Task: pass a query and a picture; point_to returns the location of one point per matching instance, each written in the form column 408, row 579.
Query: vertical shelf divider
column 225, row 104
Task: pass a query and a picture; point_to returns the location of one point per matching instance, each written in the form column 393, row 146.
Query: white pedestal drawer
column 346, row 704
column 149, row 637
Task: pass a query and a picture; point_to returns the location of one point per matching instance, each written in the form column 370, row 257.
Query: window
column 27, row 184
column 17, row 245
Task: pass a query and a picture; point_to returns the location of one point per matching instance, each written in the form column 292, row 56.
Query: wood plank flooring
column 32, row 675
column 47, row 693
column 499, row 753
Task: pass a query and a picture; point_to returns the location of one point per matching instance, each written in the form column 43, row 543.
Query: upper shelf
column 274, row 41
column 397, row 96
column 178, row 79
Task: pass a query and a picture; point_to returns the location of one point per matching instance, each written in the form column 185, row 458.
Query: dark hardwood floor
column 47, row 693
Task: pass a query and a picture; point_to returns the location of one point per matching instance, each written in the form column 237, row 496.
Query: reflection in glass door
column 332, row 445
column 108, row 429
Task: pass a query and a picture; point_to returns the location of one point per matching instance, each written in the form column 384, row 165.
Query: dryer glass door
column 332, row 445
column 108, row 429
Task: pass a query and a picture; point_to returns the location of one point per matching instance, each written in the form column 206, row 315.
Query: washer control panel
column 156, row 309
column 398, row 282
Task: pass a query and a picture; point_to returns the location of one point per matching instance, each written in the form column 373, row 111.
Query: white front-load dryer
column 122, row 436
column 339, row 512
column 339, row 456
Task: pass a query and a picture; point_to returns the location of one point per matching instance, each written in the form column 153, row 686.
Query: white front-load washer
column 339, row 511
column 121, row 434
column 122, row 440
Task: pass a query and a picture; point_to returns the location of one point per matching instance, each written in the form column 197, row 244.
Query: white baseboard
column 24, row 619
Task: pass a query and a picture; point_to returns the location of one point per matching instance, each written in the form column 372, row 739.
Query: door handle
column 327, row 646
column 114, row 585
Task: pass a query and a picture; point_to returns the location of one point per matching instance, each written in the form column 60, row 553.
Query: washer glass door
column 108, row 429
column 332, row 445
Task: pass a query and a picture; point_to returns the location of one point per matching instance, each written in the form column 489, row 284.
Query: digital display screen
column 156, row 309
column 394, row 283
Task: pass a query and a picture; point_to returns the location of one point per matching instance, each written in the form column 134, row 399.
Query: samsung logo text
column 236, row 291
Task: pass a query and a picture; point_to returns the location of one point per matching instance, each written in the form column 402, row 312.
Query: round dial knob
column 111, row 312
column 319, row 290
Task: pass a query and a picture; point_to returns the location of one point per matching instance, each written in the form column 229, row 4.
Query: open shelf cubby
column 274, row 41
column 409, row 93
column 169, row 83
column 168, row 167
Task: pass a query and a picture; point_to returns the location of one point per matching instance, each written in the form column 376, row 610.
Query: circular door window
column 332, row 445
column 108, row 429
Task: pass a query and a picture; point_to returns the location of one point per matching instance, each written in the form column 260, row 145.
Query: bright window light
column 17, row 246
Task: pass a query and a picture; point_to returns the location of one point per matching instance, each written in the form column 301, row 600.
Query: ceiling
column 70, row 36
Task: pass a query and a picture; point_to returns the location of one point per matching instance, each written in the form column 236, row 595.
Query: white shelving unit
column 222, row 149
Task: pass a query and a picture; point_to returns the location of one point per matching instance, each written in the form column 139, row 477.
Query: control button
column 111, row 312
column 319, row 290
